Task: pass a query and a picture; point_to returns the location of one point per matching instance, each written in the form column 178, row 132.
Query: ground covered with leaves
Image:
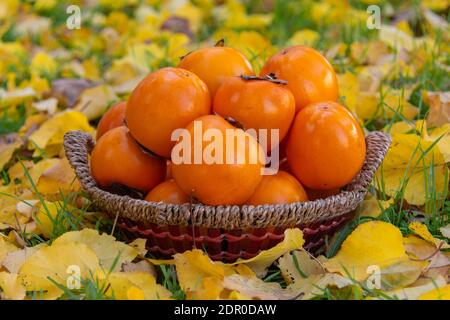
column 53, row 79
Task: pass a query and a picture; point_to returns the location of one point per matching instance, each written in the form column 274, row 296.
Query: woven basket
column 225, row 232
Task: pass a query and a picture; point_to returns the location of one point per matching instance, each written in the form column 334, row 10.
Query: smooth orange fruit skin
column 163, row 101
column 310, row 76
column 280, row 188
column 113, row 118
column 167, row 192
column 326, row 146
column 117, row 158
column 215, row 64
column 223, row 183
column 256, row 104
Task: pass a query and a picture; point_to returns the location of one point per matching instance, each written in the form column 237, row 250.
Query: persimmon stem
column 220, row 43
column 268, row 77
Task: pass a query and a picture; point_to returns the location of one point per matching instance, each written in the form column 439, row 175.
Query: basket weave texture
column 78, row 146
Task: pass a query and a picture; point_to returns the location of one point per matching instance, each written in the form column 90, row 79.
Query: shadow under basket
column 230, row 232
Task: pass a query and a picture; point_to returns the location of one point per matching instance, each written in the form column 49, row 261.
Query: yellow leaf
column 93, row 102
column 396, row 38
column 43, row 65
column 52, row 131
column 442, row 293
column 407, row 166
column 445, row 231
column 15, row 97
column 414, row 291
column 58, row 178
column 5, row 248
column 256, row 288
column 422, row 231
column 133, row 286
column 8, row 145
column 299, row 265
column 210, row 289
column 442, row 136
column 57, row 262
column 15, row 259
column 11, row 287
column 305, row 37
column 105, row 247
column 293, row 240
column 193, row 266
column 371, row 243
column 373, row 207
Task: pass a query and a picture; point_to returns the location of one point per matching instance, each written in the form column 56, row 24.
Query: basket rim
column 79, row 144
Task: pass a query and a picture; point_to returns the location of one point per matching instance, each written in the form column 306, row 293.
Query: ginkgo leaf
column 15, row 259
column 210, row 288
column 396, row 38
column 293, row 240
column 411, row 164
column 8, row 145
column 11, row 287
column 5, row 248
column 193, row 266
column 93, row 102
column 373, row 207
column 133, row 286
column 298, row 265
column 439, row 112
column 442, row 293
column 422, row 231
column 257, row 288
column 57, row 262
column 58, row 178
column 414, row 291
column 108, row 250
column 445, row 231
column 373, row 243
column 52, row 131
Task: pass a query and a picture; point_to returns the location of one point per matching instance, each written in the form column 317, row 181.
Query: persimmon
column 326, row 146
column 167, row 192
column 235, row 172
column 215, row 64
column 118, row 159
column 163, row 101
column 256, row 104
column 310, row 76
column 280, row 188
column 113, row 118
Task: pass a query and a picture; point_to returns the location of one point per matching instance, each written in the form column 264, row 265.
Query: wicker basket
column 225, row 232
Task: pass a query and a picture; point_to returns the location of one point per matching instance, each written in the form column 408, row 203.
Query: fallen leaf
column 413, row 292
column 49, row 105
column 11, row 288
column 372, row 243
column 257, row 288
column 51, row 132
column 442, row 293
column 15, row 259
column 67, row 91
column 445, row 231
column 133, row 286
column 106, row 247
column 298, row 265
column 93, row 102
column 407, row 165
column 55, row 262
column 8, row 145
column 58, row 178
column 422, row 231
column 293, row 240
column 439, row 113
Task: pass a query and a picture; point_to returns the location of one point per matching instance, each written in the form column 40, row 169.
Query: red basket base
column 223, row 245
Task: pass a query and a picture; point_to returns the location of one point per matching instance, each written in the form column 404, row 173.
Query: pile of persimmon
column 319, row 144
